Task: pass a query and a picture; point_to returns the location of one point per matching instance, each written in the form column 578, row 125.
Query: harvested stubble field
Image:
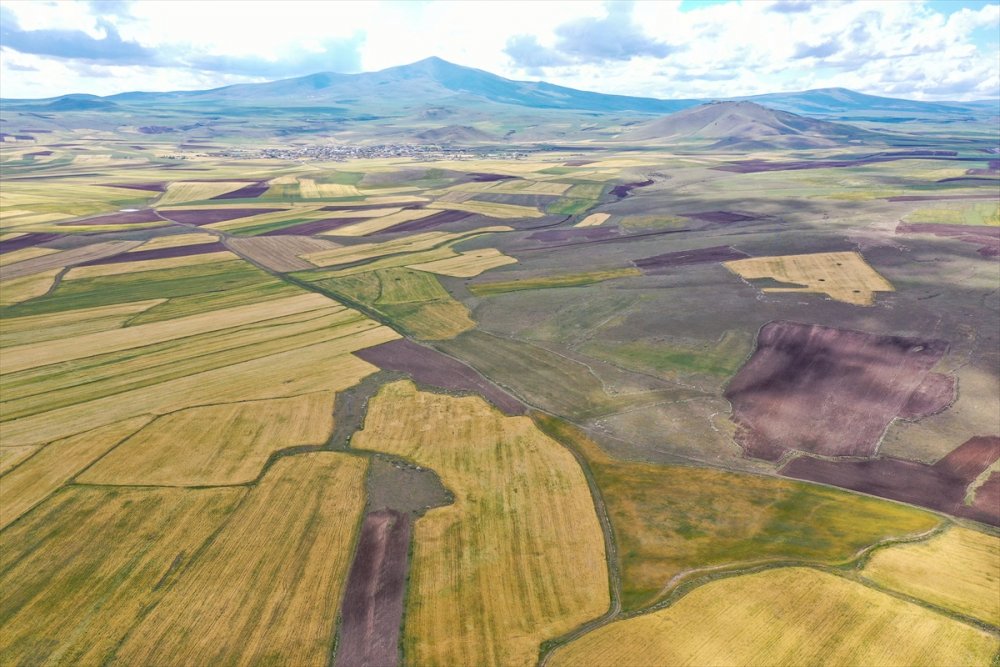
column 844, row 276
column 215, row 445
column 790, row 616
column 518, row 558
column 957, row 570
column 266, row 588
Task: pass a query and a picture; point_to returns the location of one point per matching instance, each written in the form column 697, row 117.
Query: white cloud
column 896, row 47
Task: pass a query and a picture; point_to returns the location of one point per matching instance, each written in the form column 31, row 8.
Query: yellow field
column 217, row 444
column 380, row 223
column 518, row 558
column 267, row 589
column 280, row 253
column 11, row 456
column 490, row 209
column 467, row 264
column 958, row 570
column 176, row 240
column 59, row 260
column 32, row 482
column 23, row 254
column 530, row 187
column 52, row 352
column 277, row 366
column 792, row 616
column 593, row 220
column 67, row 324
column 182, row 191
column 16, row 290
column 410, row 244
column 79, row 571
column 118, row 268
column 843, row 276
column 310, row 189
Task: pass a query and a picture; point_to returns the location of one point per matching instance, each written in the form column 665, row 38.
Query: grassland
column 844, row 276
column 267, row 587
column 80, row 570
column 139, row 266
column 180, row 192
column 409, row 244
column 518, row 558
column 784, row 617
column 673, row 359
column 490, row 209
column 974, row 214
column 217, row 444
column 672, row 520
column 551, row 282
column 957, row 570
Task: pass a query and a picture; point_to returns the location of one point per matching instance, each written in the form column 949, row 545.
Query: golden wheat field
column 843, row 276
column 792, row 616
column 267, row 588
column 81, row 569
column 467, row 264
column 958, row 570
column 518, row 558
column 215, row 445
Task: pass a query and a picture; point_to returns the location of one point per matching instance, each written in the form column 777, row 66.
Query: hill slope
column 744, row 125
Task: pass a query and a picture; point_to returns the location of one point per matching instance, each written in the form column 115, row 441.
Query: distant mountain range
column 430, row 84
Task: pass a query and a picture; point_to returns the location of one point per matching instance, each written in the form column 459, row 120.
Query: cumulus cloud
column 821, row 50
column 612, row 38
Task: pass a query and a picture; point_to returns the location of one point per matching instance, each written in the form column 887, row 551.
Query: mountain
column 455, row 134
column 843, row 102
column 429, row 82
column 744, row 125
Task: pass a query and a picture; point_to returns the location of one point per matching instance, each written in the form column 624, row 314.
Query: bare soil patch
column 988, row 238
column 829, row 391
column 206, row 216
column 658, row 264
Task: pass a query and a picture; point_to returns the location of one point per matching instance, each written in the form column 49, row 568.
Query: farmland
column 285, row 388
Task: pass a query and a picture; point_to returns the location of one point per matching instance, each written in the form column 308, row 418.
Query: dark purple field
column 622, row 191
column 941, row 486
column 362, row 207
column 480, row 177
column 315, row 226
column 659, row 264
column 206, row 216
column 120, row 218
column 431, row 221
column 372, row 609
column 988, row 238
column 830, row 391
column 756, row 165
column 160, row 253
column 719, row 217
column 430, row 367
column 987, row 500
column 251, row 191
column 39, row 154
column 150, row 187
column 26, row 241
column 577, row 163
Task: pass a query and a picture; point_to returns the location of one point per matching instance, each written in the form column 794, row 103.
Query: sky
column 919, row 49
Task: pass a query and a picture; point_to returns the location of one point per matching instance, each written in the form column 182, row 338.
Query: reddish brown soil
column 577, row 163
column 430, row 367
column 372, row 610
column 247, row 192
column 39, row 154
column 987, row 501
column 206, row 216
column 988, row 238
column 719, row 217
column 121, row 218
column 431, row 221
column 160, row 253
column 826, row 391
column 941, row 486
column 26, row 241
column 622, row 191
column 933, row 395
column 664, row 263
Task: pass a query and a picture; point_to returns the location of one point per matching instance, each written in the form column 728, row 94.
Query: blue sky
column 919, row 49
